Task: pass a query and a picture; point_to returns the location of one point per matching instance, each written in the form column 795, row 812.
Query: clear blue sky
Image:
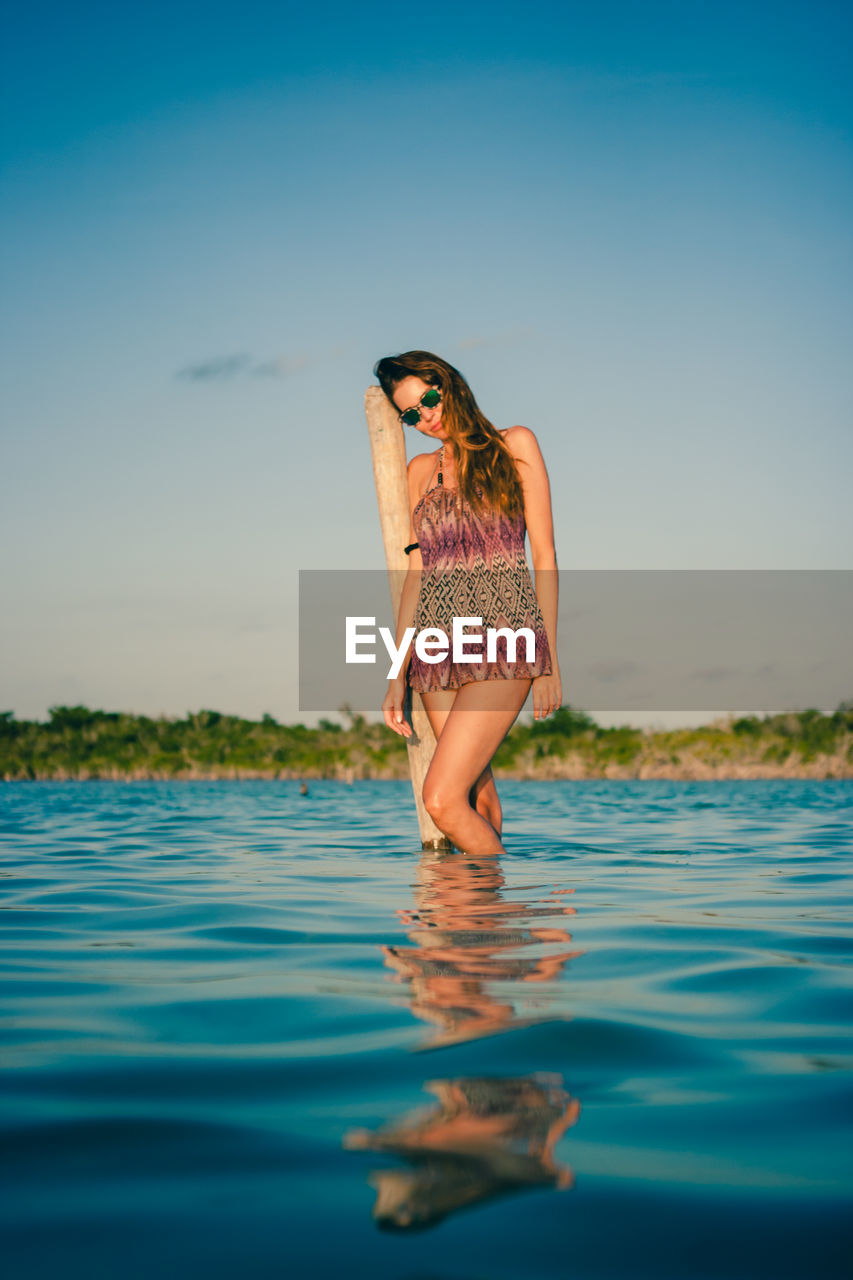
column 628, row 224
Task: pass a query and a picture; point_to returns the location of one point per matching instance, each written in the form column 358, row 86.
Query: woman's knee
column 441, row 801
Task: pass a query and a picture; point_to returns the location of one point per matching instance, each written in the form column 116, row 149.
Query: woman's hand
column 392, row 708
column 547, row 695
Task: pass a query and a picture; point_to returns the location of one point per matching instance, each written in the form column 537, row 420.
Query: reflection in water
column 466, row 940
column 486, row 1136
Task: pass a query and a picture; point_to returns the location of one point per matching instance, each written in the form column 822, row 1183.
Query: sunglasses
column 429, row 399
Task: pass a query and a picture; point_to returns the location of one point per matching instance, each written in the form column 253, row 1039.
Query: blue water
column 252, row 1033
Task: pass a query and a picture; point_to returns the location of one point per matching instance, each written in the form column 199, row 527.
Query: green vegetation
column 566, row 732
column 79, row 743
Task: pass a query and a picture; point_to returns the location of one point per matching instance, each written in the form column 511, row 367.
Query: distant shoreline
column 78, row 744
column 663, row 773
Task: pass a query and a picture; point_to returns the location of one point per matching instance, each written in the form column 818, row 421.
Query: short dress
column 473, row 566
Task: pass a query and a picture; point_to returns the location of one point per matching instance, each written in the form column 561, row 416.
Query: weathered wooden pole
column 388, row 450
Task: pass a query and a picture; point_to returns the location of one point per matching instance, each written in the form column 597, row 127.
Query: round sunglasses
column 429, row 399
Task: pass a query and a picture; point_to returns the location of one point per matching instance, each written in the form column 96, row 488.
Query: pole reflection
column 470, row 969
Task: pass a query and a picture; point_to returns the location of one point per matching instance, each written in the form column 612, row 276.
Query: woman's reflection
column 473, row 956
column 484, row 1138
column 466, row 940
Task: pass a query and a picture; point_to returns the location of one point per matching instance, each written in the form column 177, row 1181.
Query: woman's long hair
column 487, row 474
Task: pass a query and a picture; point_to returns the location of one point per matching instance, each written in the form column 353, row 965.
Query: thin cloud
column 226, row 368
column 218, row 369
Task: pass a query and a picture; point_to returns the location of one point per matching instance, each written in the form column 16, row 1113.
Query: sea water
column 249, row 1032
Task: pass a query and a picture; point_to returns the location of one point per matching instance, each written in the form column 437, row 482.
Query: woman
column 470, row 503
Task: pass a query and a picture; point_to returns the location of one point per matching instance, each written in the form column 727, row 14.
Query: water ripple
column 256, row 1025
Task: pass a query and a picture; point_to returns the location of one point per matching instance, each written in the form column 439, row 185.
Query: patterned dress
column 473, row 566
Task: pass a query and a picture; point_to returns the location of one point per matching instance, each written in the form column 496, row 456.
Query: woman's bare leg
column 483, row 796
column 477, row 723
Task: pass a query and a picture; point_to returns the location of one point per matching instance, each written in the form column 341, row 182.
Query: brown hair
column 483, row 460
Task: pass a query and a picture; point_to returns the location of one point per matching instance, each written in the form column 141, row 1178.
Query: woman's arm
column 547, row 690
column 392, row 706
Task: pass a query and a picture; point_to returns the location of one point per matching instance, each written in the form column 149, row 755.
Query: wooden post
column 388, row 450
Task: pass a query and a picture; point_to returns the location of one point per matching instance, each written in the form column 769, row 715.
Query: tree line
column 79, row 743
